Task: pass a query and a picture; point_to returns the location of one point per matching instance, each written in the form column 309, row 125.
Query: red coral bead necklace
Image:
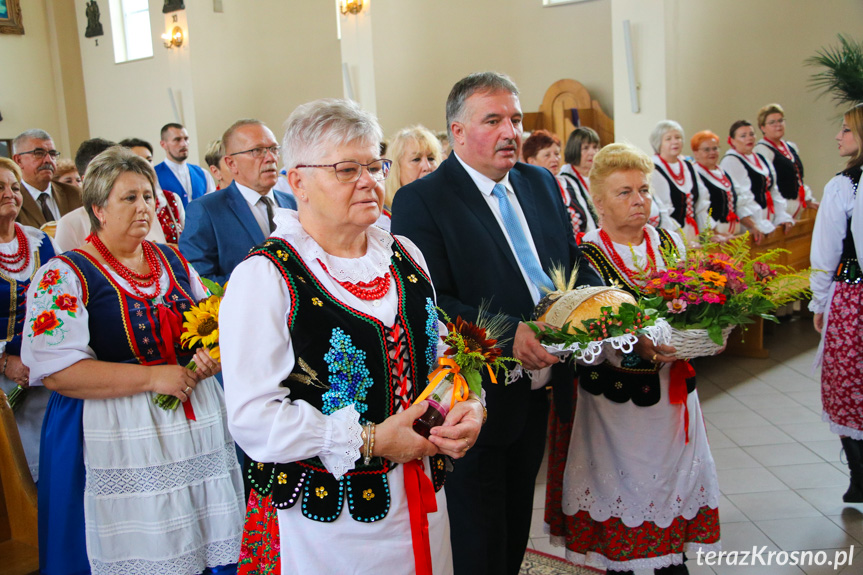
column 136, row 280
column 7, row 261
column 618, row 261
column 368, row 291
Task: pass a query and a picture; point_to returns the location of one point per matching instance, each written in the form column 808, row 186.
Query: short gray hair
column 660, row 130
column 102, row 175
column 317, row 126
column 229, row 133
column 486, row 82
column 34, row 134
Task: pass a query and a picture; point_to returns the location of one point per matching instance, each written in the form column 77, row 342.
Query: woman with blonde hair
column 415, row 152
column 837, row 297
column 638, row 486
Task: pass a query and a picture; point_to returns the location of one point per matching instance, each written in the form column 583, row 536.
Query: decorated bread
column 572, row 307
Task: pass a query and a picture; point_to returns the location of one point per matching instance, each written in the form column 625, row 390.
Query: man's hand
column 527, row 349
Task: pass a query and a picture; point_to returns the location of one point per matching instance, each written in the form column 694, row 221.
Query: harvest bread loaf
column 574, row 306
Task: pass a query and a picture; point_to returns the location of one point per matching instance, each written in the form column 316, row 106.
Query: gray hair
column 487, row 82
column 102, row 175
column 660, row 130
column 229, row 133
column 34, row 134
column 317, row 126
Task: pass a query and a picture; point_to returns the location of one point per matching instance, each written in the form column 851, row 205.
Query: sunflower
column 473, row 339
column 202, row 324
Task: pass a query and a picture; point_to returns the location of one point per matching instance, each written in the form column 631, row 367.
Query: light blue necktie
column 516, row 235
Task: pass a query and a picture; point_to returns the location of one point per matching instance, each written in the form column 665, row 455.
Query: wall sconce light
column 350, row 6
column 174, row 38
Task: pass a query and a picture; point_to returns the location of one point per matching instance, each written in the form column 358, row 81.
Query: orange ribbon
column 677, row 393
column 421, row 502
column 460, row 391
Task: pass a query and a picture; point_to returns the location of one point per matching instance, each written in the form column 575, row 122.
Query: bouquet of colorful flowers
column 201, row 328
column 473, row 348
column 721, row 286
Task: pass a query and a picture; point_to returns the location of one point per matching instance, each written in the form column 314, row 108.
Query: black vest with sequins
column 848, row 270
column 342, row 357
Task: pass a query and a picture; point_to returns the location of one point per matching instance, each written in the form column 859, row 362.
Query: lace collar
column 375, row 262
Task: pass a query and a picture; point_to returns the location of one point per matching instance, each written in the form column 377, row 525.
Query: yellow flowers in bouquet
column 201, row 328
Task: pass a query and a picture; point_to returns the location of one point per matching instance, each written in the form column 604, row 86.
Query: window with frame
column 130, row 24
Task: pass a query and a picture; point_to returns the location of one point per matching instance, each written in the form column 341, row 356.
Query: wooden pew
column 566, row 105
column 798, row 243
column 19, row 544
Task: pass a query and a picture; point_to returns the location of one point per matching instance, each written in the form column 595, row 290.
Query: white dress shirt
column 52, row 203
column 486, row 186
column 259, row 210
column 181, row 171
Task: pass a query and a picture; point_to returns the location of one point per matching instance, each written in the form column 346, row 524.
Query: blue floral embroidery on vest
column 431, row 332
column 349, row 378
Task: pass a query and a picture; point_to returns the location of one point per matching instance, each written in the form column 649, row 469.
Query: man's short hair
column 88, row 150
column 166, row 127
column 34, row 134
column 466, row 87
column 136, row 143
column 229, row 133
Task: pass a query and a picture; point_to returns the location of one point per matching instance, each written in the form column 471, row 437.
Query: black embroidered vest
column 678, row 198
column 848, row 270
column 760, row 183
column 638, row 383
column 13, row 294
column 343, row 357
column 786, row 172
column 719, row 199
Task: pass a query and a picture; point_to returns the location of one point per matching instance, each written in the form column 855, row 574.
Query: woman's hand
column 787, row 227
column 818, row 322
column 756, row 235
column 172, row 380
column 17, row 371
column 206, row 366
column 396, row 440
column 655, row 353
column 459, row 430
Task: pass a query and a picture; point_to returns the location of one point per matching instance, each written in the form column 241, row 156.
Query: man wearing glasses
column 176, row 174
column 46, row 201
column 223, row 226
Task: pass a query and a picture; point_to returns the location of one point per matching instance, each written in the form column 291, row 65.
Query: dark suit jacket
column 67, row 197
column 220, row 230
column 470, row 262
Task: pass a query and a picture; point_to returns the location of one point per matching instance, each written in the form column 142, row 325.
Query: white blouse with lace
column 257, row 355
column 163, row 494
column 633, row 462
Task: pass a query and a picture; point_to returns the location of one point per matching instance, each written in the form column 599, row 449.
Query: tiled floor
column 779, row 469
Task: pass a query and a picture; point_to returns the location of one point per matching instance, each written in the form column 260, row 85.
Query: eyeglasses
column 40, row 153
column 259, row 153
column 775, row 122
column 349, row 172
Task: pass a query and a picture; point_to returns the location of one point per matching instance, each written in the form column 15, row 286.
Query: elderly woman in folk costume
column 126, row 486
column 23, row 250
column 328, row 333
column 734, row 212
column 635, row 420
column 685, row 202
column 754, row 178
column 785, row 159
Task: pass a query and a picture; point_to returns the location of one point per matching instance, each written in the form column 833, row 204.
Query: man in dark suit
column 223, row 226
column 490, row 229
column 44, row 200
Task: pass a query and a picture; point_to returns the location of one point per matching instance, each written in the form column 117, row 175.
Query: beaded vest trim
column 337, row 365
column 848, row 270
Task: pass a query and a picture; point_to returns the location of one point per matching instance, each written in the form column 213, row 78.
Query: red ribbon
column 677, row 394
column 170, row 326
column 421, row 502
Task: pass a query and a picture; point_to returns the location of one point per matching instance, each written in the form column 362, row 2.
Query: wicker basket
column 691, row 343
